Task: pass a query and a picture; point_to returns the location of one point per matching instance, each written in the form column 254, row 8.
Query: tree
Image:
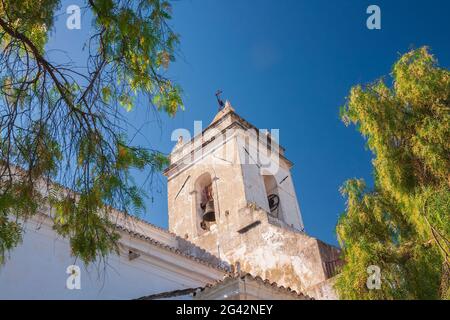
column 402, row 225
column 58, row 124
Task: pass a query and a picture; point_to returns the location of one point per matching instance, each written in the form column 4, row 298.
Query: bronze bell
column 209, row 214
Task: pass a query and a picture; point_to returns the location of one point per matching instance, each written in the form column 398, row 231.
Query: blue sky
column 285, row 64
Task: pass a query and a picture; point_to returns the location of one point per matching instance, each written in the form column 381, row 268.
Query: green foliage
column 403, row 224
column 33, row 18
column 86, row 222
column 58, row 125
column 137, row 38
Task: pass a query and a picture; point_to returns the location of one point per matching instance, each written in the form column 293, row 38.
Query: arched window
column 273, row 196
column 205, row 209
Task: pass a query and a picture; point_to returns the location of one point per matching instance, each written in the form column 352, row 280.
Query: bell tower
column 230, row 191
column 230, row 165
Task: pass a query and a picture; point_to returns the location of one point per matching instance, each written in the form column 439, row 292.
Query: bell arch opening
column 204, row 204
column 273, row 196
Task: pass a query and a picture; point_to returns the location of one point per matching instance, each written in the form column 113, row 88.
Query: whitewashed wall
column 36, row 269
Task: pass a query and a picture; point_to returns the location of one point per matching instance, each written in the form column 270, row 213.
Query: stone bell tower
column 230, row 191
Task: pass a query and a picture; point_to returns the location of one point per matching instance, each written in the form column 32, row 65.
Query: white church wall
column 36, row 269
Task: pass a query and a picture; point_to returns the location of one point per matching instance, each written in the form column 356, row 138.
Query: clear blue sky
column 287, row 65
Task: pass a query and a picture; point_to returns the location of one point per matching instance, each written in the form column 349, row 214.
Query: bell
column 209, row 214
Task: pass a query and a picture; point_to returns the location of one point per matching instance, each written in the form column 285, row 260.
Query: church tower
column 230, row 191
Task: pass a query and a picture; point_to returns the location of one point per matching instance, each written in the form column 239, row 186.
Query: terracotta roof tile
column 266, row 282
column 172, row 249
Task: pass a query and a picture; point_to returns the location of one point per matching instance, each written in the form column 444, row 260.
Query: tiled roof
column 169, row 294
column 249, row 276
column 220, row 266
column 140, row 220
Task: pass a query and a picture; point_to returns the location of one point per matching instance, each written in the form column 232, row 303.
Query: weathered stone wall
column 323, row 290
column 291, row 259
